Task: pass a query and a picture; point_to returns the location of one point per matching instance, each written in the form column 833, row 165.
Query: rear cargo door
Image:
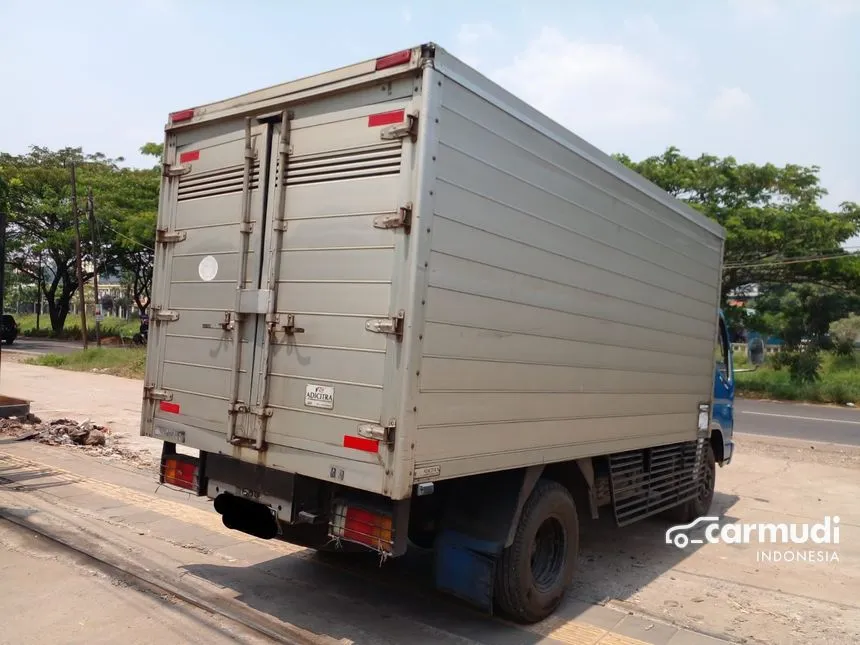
column 214, row 225
column 336, row 242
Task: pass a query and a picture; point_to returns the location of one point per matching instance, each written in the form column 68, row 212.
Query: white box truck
column 395, row 305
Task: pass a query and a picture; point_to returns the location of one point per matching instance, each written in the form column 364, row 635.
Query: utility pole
column 39, row 293
column 92, row 217
column 2, row 263
column 78, row 268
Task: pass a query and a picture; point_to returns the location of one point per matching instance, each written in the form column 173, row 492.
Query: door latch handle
column 228, row 324
column 290, row 328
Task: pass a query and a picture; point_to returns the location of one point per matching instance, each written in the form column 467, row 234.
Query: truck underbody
column 471, row 523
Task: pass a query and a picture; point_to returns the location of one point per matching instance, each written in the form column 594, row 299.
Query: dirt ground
column 725, row 590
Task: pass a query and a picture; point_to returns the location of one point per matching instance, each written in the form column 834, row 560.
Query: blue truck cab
column 722, row 406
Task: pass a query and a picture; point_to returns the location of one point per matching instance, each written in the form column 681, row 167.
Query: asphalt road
column 41, row 346
column 798, row 421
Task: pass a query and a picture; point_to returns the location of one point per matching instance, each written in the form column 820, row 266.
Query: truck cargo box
column 397, row 272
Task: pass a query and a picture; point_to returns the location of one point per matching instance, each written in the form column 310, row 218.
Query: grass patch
column 839, row 382
column 110, row 326
column 129, row 363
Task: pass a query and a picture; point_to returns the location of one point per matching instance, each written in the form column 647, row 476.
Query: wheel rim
column 548, row 552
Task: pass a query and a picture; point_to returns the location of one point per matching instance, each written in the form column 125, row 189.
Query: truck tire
column 701, row 503
column 533, row 573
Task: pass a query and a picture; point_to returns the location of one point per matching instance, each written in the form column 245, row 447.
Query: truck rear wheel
column 533, row 573
column 701, row 503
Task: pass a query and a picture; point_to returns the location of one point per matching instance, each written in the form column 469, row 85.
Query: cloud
column 755, row 10
column 472, row 39
column 840, row 8
column 406, row 15
column 589, row 86
column 643, row 25
column 730, row 103
column 472, row 34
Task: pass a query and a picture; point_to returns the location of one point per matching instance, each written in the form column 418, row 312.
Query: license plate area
column 252, row 482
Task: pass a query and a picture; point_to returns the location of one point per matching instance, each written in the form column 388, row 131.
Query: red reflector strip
column 167, row 406
column 392, row 60
column 182, row 115
column 386, row 118
column 191, row 155
column 360, row 443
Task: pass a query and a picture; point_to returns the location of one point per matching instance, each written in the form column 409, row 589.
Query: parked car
column 8, row 329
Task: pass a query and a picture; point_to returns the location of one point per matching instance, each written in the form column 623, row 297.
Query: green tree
column 127, row 207
column 136, row 231
column 41, row 222
column 801, row 312
column 152, row 149
column 772, row 215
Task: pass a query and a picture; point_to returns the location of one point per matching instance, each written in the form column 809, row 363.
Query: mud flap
column 465, row 567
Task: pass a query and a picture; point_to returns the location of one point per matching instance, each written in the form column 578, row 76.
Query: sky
column 761, row 80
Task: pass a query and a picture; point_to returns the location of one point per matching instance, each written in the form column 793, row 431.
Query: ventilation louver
column 223, row 181
column 360, row 163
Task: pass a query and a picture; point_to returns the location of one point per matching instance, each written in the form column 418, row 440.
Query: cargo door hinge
column 408, row 128
column 151, row 393
column 164, row 315
column 176, row 170
column 163, row 236
column 393, row 325
column 402, row 218
column 379, row 432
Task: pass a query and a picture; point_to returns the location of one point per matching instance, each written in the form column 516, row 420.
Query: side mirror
column 755, row 352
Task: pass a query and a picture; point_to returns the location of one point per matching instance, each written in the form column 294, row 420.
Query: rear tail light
column 371, row 528
column 182, row 471
column 393, row 60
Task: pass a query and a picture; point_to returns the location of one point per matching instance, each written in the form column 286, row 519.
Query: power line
column 811, row 258
column 126, row 237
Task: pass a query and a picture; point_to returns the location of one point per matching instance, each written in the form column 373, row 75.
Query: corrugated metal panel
column 567, row 314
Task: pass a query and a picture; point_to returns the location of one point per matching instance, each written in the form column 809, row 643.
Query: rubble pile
column 96, row 440
column 59, row 432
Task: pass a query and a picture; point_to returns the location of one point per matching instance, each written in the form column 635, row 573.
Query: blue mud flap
column 465, row 567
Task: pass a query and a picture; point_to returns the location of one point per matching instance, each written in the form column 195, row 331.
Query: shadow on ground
column 354, row 597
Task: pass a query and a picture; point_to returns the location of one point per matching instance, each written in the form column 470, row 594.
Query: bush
column 129, row 362
column 837, row 381
column 110, row 326
column 803, row 366
column 779, row 360
column 844, row 348
column 845, row 334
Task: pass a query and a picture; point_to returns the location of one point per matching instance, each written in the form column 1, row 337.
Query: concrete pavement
column 85, row 604
column 630, row 588
column 798, row 421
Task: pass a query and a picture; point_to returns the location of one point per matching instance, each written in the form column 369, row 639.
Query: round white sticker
column 208, row 268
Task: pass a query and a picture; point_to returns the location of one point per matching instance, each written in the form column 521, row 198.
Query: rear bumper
column 351, row 468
